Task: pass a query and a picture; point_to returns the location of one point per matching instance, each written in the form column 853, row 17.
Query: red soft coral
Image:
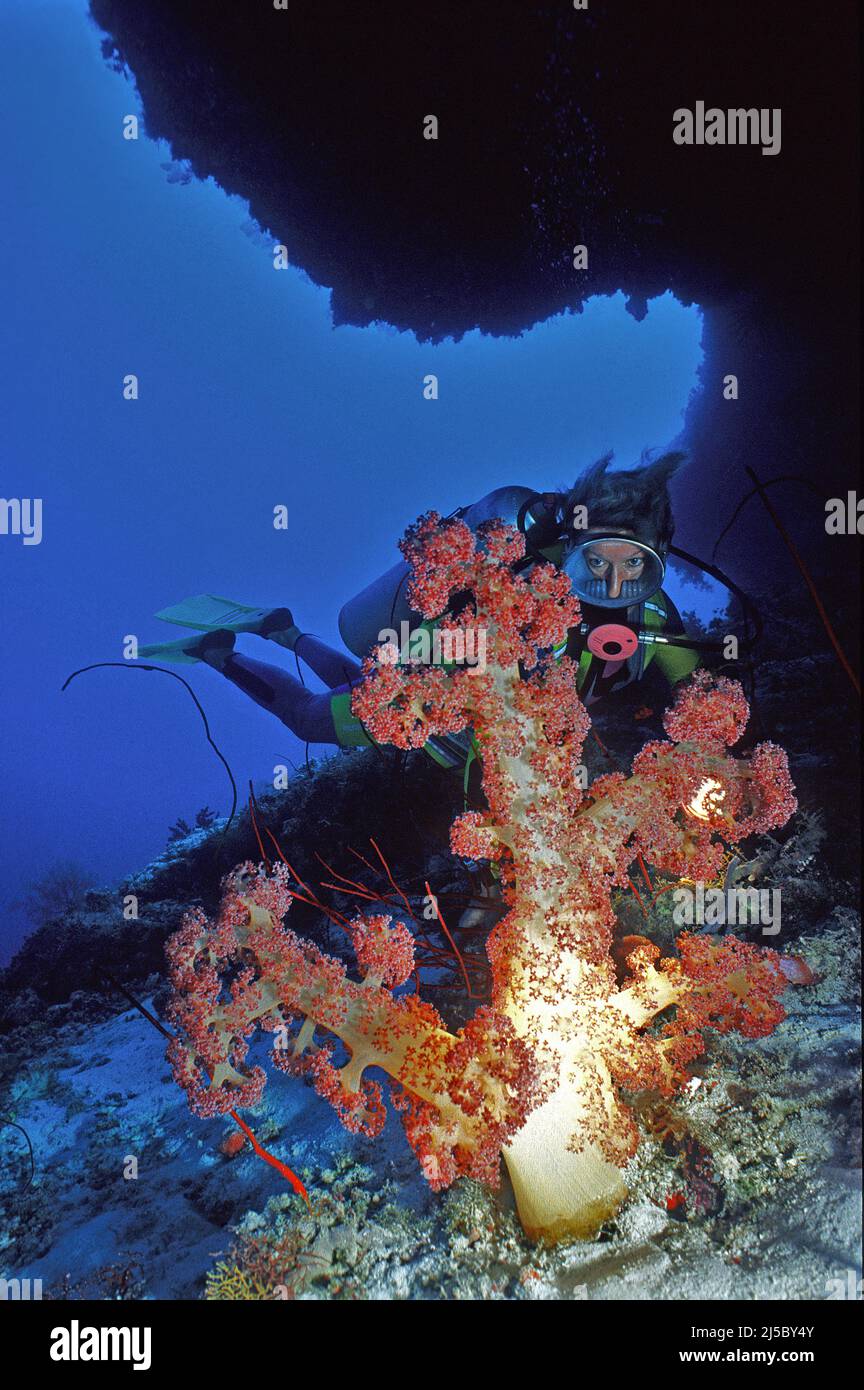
column 537, row 1075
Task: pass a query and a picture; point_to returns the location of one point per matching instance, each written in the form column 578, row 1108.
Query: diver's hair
column 633, row 499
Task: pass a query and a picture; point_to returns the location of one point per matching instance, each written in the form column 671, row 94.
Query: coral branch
column 468, row 1091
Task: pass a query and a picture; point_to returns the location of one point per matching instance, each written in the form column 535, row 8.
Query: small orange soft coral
column 233, row 1144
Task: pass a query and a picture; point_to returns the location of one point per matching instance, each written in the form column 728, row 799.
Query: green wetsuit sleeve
column 676, row 662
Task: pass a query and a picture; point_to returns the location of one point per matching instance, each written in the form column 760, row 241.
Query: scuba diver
column 611, row 533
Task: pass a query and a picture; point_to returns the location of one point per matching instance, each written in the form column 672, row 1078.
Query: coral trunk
column 560, row 1195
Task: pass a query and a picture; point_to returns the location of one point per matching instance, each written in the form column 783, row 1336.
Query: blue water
column 113, row 264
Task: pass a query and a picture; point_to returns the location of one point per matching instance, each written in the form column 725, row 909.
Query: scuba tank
column 384, row 603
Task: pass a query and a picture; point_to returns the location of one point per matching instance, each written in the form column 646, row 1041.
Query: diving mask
column 613, row 571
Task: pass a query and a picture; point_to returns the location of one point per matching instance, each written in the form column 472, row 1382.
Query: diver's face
column 614, row 562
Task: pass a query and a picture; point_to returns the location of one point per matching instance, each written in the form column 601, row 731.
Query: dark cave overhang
column 555, row 129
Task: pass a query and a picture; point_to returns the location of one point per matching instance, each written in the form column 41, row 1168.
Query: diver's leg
column 332, row 667
column 305, row 712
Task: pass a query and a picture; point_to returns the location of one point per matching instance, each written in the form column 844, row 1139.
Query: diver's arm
column 676, row 663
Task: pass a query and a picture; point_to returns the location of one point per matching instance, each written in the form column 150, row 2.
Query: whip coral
column 537, row 1075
